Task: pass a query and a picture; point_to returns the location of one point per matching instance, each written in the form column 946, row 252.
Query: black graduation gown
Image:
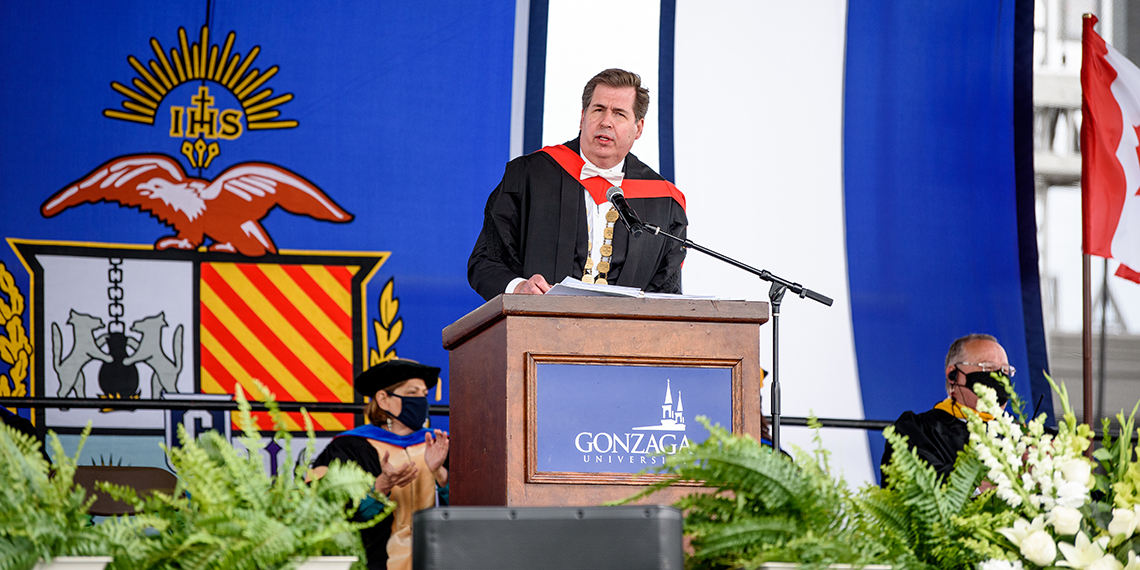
column 359, row 451
column 535, row 223
column 937, row 435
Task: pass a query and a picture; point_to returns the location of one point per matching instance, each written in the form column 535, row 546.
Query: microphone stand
column 775, row 295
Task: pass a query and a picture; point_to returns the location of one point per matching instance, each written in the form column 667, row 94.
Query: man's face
column 608, row 126
column 977, row 352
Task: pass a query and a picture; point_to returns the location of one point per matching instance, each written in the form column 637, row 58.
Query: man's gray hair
column 958, row 348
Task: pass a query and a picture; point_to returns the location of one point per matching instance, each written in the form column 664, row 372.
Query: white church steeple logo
column 671, row 419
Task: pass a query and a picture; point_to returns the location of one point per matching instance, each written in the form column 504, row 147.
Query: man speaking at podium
column 549, row 216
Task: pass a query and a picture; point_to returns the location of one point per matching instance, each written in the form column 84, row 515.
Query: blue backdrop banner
column 931, row 203
column 240, row 192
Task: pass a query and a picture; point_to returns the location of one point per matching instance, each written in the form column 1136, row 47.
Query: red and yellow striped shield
column 290, row 327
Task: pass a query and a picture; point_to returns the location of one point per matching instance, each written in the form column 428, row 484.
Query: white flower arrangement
column 1032, row 541
column 1047, row 481
column 1019, row 498
column 995, row 564
column 1066, row 521
column 1124, row 522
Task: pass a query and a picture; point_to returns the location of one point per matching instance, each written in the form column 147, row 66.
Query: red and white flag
column 1110, row 154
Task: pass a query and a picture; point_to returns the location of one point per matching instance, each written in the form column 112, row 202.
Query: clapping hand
column 436, row 453
column 392, row 476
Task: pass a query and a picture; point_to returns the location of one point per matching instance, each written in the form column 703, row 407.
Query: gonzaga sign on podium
column 622, row 419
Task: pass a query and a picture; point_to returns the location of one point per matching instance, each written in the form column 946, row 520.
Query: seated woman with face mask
column 407, row 460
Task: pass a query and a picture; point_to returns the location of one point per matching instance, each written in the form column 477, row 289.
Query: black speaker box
column 551, row 538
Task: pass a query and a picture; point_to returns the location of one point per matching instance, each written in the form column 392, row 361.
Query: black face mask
column 988, row 381
column 413, row 412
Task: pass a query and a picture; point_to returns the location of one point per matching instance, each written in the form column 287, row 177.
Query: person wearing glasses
column 939, row 434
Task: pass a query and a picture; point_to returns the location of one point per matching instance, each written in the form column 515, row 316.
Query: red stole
column 597, row 186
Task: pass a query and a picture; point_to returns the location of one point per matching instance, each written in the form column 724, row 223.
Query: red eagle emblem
column 227, row 209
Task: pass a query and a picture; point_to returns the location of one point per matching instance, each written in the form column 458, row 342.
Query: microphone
column 627, row 215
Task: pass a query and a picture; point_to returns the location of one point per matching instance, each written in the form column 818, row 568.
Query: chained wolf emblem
column 149, row 351
column 84, row 349
column 87, row 347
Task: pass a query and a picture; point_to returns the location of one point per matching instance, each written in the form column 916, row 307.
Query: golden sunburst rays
column 194, row 62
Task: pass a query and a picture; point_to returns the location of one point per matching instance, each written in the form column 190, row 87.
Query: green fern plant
column 228, row 513
column 763, row 507
column 43, row 513
column 939, row 524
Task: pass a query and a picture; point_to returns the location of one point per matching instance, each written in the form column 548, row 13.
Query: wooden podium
column 497, row 349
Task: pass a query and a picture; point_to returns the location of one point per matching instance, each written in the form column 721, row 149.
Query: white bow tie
column 612, row 175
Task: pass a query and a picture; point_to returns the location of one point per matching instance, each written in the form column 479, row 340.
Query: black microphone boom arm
column 775, row 295
column 764, row 274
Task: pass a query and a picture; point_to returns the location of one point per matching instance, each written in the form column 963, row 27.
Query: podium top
column 585, row 307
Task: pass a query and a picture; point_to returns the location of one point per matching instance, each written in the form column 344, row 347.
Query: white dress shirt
column 595, row 213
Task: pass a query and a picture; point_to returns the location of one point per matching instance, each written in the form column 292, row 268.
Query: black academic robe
column 937, row 435
column 419, row 494
column 535, row 223
column 358, row 450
